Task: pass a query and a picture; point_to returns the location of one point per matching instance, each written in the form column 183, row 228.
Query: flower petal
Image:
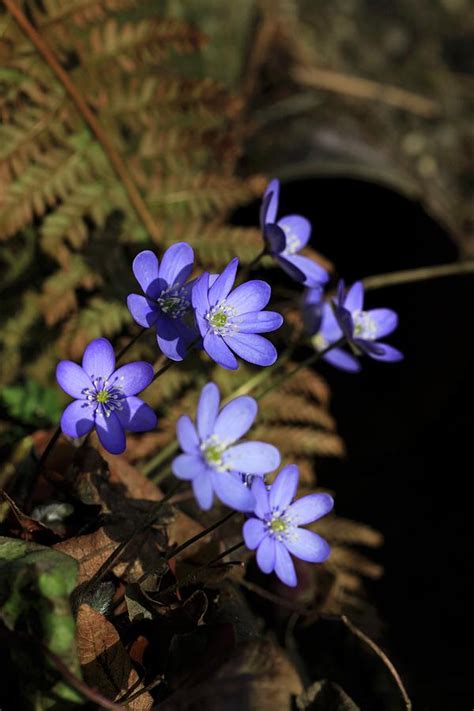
column 72, row 379
column 386, row 320
column 200, row 295
column 266, row 555
column 235, row 419
column 271, row 205
column 143, row 310
column 136, row 415
column 145, row 267
column 224, row 283
column 342, row 360
column 202, row 488
column 187, row 435
column 99, row 359
column 177, row 263
column 303, row 269
column 307, row 545
column 252, row 457
column 253, row 532
column 219, row 351
column 133, row 377
column 189, row 466
column 173, row 337
column 231, row 490
column 386, row 353
column 207, row 410
column 284, row 566
column 110, row 431
column 253, row 295
column 283, row 489
column 330, row 328
column 310, row 508
column 275, row 238
column 252, row 348
column 260, row 492
column 354, row 300
column 77, row 419
column 296, row 226
column 258, row 322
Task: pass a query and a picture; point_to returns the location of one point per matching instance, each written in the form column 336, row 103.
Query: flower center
column 105, row 396
column 364, row 325
column 319, row 342
column 173, row 301
column 278, row 525
column 212, row 450
column 293, row 243
column 220, row 319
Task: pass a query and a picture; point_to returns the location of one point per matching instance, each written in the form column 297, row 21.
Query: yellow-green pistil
column 278, row 525
column 103, row 396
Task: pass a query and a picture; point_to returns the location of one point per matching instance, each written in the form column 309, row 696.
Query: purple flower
column 275, row 529
column 167, row 301
column 212, row 461
column 285, row 238
column 321, row 324
column 105, row 397
column 363, row 328
column 231, row 320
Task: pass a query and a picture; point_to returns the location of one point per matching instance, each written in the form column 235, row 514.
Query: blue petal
column 145, row 267
column 143, row 310
column 310, row 508
column 173, row 337
column 252, row 348
column 330, row 328
column 224, row 283
column 207, row 410
column 110, row 431
column 231, row 490
column 253, row 531
column 177, row 264
column 187, row 435
column 354, row 300
column 136, row 415
column 235, row 419
column 272, row 190
column 189, row 466
column 386, row 353
column 251, row 296
column 283, row 489
column 258, row 322
column 260, row 492
column 284, row 567
column 298, row 226
column 275, row 238
column 308, row 546
column 99, row 359
column 266, row 555
column 72, row 378
column 252, row 457
column 219, row 351
column 77, row 419
column 342, row 360
column 202, row 488
column 200, row 294
column 313, row 273
column 132, row 378
column 386, row 320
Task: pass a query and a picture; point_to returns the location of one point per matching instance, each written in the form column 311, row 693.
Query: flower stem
column 47, row 450
column 121, row 353
column 162, row 370
column 244, row 272
column 202, row 534
column 407, row 276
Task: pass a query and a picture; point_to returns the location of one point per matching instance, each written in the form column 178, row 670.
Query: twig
column 361, row 88
column 379, row 281
column 47, row 450
column 121, row 353
column 375, row 648
column 90, row 118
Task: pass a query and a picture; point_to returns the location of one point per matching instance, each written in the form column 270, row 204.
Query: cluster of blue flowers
column 209, row 313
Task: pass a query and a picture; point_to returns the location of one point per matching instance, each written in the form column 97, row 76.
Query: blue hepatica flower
column 231, row 320
column 105, row 397
column 212, row 460
column 363, row 328
column 167, row 301
column 321, row 324
column 285, row 238
column 275, row 531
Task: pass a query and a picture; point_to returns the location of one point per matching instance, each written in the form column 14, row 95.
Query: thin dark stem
column 163, row 369
column 121, row 353
column 47, row 450
column 202, row 534
column 379, row 281
column 244, row 272
column 267, row 595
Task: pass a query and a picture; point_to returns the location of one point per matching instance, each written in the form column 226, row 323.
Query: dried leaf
column 325, row 696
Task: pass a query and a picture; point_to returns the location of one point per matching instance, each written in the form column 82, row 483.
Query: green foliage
column 32, row 403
